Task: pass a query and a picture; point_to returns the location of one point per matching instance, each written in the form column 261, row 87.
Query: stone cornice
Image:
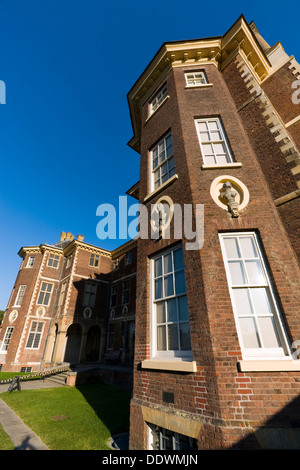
column 218, row 51
column 71, row 247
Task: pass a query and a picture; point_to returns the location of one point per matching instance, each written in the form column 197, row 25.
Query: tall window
column 53, row 261
column 158, row 99
column 114, row 295
column 255, row 308
column 89, row 294
column 35, row 334
column 62, row 293
column 20, row 296
column 213, row 142
column 7, row 338
column 170, row 308
column 94, row 260
column 126, row 292
column 45, row 293
column 30, row 262
column 162, row 160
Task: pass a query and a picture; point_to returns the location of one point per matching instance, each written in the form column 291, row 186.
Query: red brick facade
column 71, row 323
column 228, row 400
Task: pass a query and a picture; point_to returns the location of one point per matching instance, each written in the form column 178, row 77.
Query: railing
column 38, row 375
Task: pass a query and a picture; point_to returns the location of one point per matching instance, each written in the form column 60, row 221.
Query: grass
column 69, row 418
column 5, row 442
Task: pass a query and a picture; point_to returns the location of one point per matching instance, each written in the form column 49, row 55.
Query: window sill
column 204, row 85
column 269, row 366
column 161, row 188
column 178, row 365
column 205, row 166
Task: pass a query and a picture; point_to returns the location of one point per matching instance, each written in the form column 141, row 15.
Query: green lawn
column 5, row 442
column 69, row 418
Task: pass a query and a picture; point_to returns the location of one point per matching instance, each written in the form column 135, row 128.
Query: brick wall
column 230, row 405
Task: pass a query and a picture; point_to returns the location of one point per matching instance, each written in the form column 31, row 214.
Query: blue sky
column 68, row 66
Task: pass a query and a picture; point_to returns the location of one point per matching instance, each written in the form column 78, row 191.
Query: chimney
column 80, row 238
column 66, row 236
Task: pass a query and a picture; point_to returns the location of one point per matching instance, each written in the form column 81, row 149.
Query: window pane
column 172, row 310
column 158, row 267
column 208, row 149
column 168, row 285
column 158, row 288
column 268, row 332
column 185, row 340
column 183, row 312
column 237, row 272
column 173, row 337
column 254, row 272
column 178, row 259
column 210, row 160
column 242, row 301
column 231, row 248
column 261, row 301
column 249, row 333
column 179, row 282
column 248, row 248
column 160, row 309
column 167, row 263
column 161, row 338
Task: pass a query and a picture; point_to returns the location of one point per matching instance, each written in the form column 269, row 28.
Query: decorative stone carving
column 229, row 194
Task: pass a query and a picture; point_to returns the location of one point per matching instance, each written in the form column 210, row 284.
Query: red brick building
column 64, row 307
column 216, row 364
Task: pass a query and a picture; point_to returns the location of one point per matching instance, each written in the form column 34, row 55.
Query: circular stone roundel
column 242, row 197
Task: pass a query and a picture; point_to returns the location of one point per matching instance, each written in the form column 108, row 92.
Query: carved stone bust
column 229, row 194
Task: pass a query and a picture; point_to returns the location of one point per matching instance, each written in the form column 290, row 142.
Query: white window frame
column 158, row 99
column 7, row 338
column 94, row 260
column 168, row 353
column 20, row 295
column 263, row 353
column 30, row 262
column 165, row 166
column 53, row 261
column 159, row 437
column 35, row 335
column 45, row 292
column 214, row 142
column 195, row 78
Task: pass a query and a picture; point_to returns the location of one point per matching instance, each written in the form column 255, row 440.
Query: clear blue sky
column 68, row 66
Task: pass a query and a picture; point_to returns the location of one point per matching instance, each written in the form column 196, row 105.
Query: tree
column 2, row 312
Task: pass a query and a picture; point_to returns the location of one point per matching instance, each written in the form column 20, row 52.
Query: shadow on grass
column 111, row 404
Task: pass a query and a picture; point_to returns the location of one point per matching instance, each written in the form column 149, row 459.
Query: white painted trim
column 293, row 121
column 269, row 366
column 172, row 365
